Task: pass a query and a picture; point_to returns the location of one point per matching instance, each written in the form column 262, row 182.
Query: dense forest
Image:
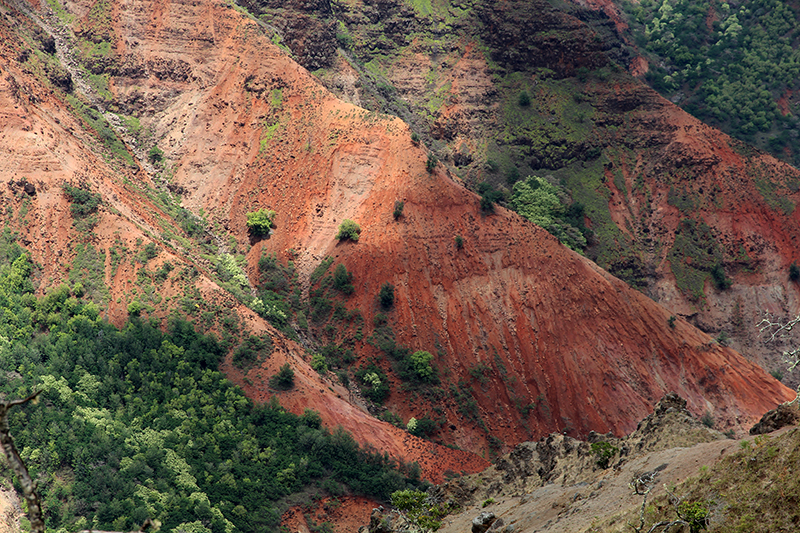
column 735, row 65
column 138, row 423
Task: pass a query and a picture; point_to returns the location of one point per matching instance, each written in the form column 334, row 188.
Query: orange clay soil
column 346, row 514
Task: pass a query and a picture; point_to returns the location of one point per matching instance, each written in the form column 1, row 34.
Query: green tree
column 418, row 509
column 348, row 230
column 261, row 222
column 421, row 364
column 343, row 280
column 386, row 295
column 284, row 379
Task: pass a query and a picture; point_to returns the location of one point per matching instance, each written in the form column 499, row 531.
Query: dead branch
column 777, row 330
column 16, row 462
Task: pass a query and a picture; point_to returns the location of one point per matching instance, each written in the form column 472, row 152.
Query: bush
column 430, row 164
column 386, row 295
column 696, row 514
column 155, row 155
column 398, row 209
column 459, row 240
column 84, row 201
column 721, row 281
column 489, row 195
column 375, row 383
column 415, row 138
column 604, row 452
column 284, row 379
column 261, row 222
column 420, row 362
column 422, row 428
column 342, row 279
column 524, row 99
column 134, row 308
column 794, row 271
column 348, row 230
column 253, row 350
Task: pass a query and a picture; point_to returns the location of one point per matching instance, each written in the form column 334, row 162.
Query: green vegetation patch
column 88, row 269
column 104, row 132
column 774, row 196
column 727, row 63
column 137, row 423
column 693, row 256
column 549, row 206
column 753, row 490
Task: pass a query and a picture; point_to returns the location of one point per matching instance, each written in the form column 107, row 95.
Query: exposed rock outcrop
column 786, row 414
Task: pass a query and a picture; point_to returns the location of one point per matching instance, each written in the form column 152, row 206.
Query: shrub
column 489, row 195
column 422, row 428
column 375, row 383
column 319, row 363
column 155, row 155
column 524, row 99
column 723, row 339
column 794, row 271
column 134, row 308
column 420, row 362
column 148, row 252
column 252, row 350
column 348, row 230
column 512, row 176
column 84, row 201
column 721, row 281
column 398, row 209
column 386, row 295
column 393, row 419
column 604, row 452
column 707, row 420
column 671, row 321
column 261, row 222
column 419, row 510
column 696, row 514
column 430, row 164
column 459, row 240
column 415, row 138
column 342, row 279
column 284, row 379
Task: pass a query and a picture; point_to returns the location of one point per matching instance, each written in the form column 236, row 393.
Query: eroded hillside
column 527, row 337
column 701, row 223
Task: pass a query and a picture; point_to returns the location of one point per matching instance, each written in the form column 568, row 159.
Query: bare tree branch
column 777, row 330
column 16, row 462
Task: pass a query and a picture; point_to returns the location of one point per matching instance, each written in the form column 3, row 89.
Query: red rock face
column 563, row 345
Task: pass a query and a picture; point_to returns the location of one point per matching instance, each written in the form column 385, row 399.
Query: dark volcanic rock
column 784, row 415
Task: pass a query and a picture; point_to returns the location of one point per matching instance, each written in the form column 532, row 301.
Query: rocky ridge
column 559, row 484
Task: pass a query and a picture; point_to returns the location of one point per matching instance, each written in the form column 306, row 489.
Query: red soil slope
column 246, row 127
column 587, row 351
column 747, row 198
